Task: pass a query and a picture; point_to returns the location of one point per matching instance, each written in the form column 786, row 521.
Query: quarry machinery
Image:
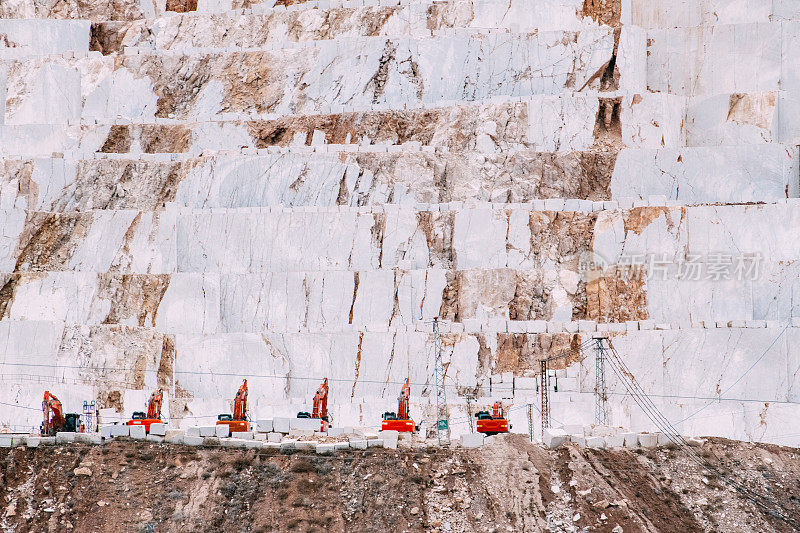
column 320, row 409
column 54, row 420
column 399, row 421
column 153, row 414
column 494, row 423
column 237, row 421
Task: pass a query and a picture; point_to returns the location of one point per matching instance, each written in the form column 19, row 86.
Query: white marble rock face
column 189, row 199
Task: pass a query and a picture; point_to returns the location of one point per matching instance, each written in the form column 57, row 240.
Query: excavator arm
column 402, row 402
column 154, row 404
column 240, row 403
column 321, row 402
column 53, row 414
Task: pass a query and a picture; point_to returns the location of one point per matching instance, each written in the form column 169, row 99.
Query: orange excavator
column 399, row 421
column 53, row 415
column 153, row 414
column 237, row 421
column 320, row 409
column 494, row 423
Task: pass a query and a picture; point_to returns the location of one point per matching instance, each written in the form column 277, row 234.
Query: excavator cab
column 153, row 414
column 72, row 422
column 494, row 422
column 399, row 421
column 237, row 422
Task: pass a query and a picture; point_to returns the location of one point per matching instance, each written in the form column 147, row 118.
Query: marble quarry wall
column 193, row 192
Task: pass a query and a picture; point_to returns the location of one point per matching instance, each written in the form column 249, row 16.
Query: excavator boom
column 238, row 421
column 53, row 420
column 402, row 420
column 153, row 414
column 494, row 423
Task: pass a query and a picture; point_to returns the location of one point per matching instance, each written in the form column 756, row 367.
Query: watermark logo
column 712, row 266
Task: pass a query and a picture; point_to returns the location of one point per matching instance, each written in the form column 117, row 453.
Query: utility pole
column 442, row 416
column 544, row 389
column 470, row 398
column 600, row 392
column 530, row 420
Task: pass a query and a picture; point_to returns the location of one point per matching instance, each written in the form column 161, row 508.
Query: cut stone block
column 271, row 446
column 390, row 438
column 252, row 443
column 192, row 440
column 578, row 440
column 244, row 435
column 174, row 436
column 648, row 440
column 5, row 441
column 288, row 444
column 63, row 437
column 472, row 440
column 375, row 443
column 553, row 437
column 305, row 445
column 274, row 437
column 595, row 442
column 47, row 441
column 323, row 449
column 663, row 440
column 120, row 430
column 264, row 426
column 229, row 442
column 208, row 431
column 301, row 433
column 337, row 432
column 223, row 430
column 105, row 431
column 89, row 438
column 154, row 438
column 137, row 432
column 260, row 436
column 312, row 424
column 572, row 429
column 158, row 429
column 341, row 445
column 615, row 441
column 282, row 425
column 193, row 431
column 358, row 444
column 631, row 440
column 211, row 441
column 33, row 442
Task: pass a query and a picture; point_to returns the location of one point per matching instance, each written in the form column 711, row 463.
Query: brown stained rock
column 530, row 297
column 561, row 236
column 177, row 80
column 607, row 126
column 132, row 296
column 48, row 240
column 19, row 174
column 107, row 37
column 756, row 109
column 116, row 356
column 253, row 81
column 166, row 363
column 442, row 15
column 118, row 140
column 520, row 353
column 454, row 128
column 438, row 230
column 8, row 287
column 158, row 138
column 638, row 218
column 121, row 184
column 74, row 9
column 602, row 11
column 181, row 6
column 617, row 295
column 107, row 399
column 449, row 309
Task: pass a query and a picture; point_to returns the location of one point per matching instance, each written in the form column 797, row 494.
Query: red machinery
column 153, row 415
column 400, row 421
column 53, row 415
column 320, row 409
column 237, row 422
column 494, row 423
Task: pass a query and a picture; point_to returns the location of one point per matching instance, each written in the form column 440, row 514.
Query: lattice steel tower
column 600, row 392
column 442, row 415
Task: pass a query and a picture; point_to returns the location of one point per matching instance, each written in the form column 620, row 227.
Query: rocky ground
column 510, row 485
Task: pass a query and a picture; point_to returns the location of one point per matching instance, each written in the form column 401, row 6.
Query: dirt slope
column 510, row 485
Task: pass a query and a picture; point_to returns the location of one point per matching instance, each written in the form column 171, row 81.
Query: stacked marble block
column 603, row 437
column 260, row 243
